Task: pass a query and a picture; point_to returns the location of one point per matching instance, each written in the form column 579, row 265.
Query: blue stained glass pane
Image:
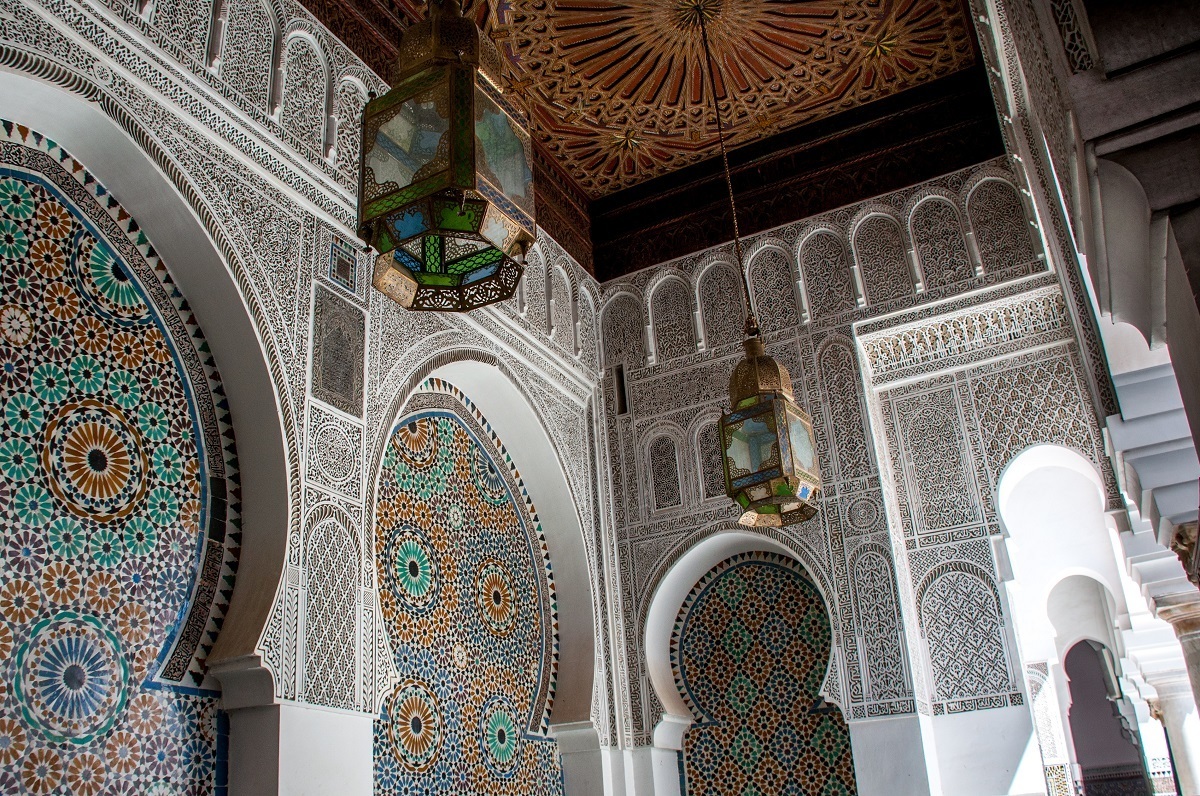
column 411, row 224
column 752, row 445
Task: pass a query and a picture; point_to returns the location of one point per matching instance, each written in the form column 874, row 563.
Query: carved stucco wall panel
column 832, row 357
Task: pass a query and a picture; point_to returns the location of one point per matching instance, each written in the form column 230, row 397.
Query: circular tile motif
column 498, row 734
column 96, row 461
column 72, row 678
column 412, row 570
column 489, row 479
column 416, row 442
column 496, row 598
column 106, row 280
column 415, row 730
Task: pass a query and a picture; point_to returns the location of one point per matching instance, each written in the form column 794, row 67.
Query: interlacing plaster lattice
column 960, row 616
column 332, row 617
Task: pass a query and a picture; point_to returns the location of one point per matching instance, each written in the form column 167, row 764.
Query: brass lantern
column 770, row 451
column 446, row 182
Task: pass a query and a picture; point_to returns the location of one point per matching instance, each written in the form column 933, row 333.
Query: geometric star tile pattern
column 750, row 650
column 104, row 496
column 467, row 600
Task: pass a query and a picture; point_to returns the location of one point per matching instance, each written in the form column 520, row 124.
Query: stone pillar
column 1183, row 612
column 1176, row 709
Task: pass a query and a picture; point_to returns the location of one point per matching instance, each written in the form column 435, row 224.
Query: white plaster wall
column 324, row 752
column 891, row 760
column 989, row 753
column 296, row 750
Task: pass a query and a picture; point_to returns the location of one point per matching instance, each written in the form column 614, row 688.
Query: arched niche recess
column 750, row 648
column 495, row 393
column 129, row 164
column 663, row 609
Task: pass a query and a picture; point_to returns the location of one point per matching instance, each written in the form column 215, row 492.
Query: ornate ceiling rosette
column 616, row 85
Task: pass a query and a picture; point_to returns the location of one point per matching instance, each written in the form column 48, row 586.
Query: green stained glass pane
column 433, row 254
column 478, row 260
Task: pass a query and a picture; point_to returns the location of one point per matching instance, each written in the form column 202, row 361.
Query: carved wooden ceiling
column 616, row 88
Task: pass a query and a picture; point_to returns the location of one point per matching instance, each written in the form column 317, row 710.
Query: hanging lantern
column 446, row 186
column 770, row 452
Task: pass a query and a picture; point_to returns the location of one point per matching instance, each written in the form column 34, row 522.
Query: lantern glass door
column 411, row 140
column 800, row 432
column 751, row 446
column 502, row 153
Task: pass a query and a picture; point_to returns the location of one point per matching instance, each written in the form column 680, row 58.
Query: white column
column 1183, row 612
column 1176, row 709
column 582, row 758
column 291, row 749
column 893, row 756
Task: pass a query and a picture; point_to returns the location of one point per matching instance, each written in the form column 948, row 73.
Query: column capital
column 1181, row 610
column 1168, row 685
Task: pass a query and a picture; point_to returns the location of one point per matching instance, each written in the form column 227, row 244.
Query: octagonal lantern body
column 446, row 182
column 770, row 460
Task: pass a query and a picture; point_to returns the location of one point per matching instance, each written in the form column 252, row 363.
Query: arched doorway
column 468, row 602
column 1106, row 747
column 750, row 652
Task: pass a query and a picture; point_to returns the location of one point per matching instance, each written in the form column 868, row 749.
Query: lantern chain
column 751, row 320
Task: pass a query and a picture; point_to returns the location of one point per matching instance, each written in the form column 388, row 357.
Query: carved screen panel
column 564, row 313
column 664, row 474
column 828, row 281
column 587, row 331
column 882, row 260
column 941, row 247
column 839, row 371
column 186, row 23
column 935, row 451
column 247, row 53
column 330, row 630
column 879, row 610
column 721, row 306
column 774, row 291
column 964, row 629
column 674, row 329
column 712, row 471
column 1001, row 230
column 537, row 307
column 304, row 90
column 623, row 332
column 350, row 101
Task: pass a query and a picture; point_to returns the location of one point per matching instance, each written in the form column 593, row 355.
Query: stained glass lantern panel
column 446, row 190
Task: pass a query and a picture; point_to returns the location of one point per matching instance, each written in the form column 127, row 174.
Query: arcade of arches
column 263, row 531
